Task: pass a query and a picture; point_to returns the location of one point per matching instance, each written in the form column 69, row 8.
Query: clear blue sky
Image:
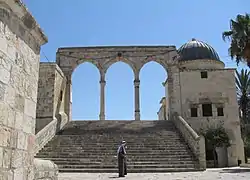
column 129, row 22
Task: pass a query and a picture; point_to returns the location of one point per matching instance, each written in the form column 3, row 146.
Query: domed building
column 207, row 95
column 198, row 54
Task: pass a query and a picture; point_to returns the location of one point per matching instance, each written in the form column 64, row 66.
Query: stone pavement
column 211, row 174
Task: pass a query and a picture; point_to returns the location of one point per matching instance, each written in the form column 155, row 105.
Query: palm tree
column 239, row 35
column 243, row 89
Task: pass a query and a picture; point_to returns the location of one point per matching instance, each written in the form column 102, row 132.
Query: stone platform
column 214, row 174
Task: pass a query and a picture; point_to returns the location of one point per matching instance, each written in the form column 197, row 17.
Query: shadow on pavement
column 240, row 170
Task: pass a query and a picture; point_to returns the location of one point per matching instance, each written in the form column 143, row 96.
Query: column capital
column 136, row 82
column 102, row 82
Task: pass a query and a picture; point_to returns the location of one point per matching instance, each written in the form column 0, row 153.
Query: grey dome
column 195, row 49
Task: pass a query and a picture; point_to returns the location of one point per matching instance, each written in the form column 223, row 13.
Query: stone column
column 102, row 100
column 137, row 99
column 68, row 98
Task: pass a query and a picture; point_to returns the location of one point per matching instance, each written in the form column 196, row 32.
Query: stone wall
column 219, row 90
column 44, row 110
column 51, row 96
column 20, row 41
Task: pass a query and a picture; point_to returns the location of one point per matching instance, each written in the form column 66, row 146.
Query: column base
column 101, row 117
column 137, row 116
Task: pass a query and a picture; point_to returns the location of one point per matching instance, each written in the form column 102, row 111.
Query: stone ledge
column 45, row 169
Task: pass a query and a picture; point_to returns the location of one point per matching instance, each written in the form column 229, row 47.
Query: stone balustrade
column 45, row 135
column 45, row 170
column 196, row 142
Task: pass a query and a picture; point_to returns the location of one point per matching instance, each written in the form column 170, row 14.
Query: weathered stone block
column 7, row 158
column 2, row 91
column 19, row 121
column 1, row 157
column 9, row 96
column 17, row 160
column 19, row 103
column 30, row 108
column 22, row 140
column 4, row 75
column 19, row 174
column 28, row 124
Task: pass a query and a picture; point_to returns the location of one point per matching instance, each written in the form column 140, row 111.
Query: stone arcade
column 35, row 102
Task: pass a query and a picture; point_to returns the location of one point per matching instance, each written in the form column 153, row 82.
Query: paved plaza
column 211, row 174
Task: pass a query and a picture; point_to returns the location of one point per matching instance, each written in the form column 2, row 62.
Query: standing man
column 122, row 164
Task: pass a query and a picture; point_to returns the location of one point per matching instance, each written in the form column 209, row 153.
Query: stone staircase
column 90, row 146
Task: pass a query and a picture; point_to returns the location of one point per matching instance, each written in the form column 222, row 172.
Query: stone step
column 97, row 166
column 115, row 170
column 129, row 159
column 111, row 151
column 115, row 144
column 128, row 135
column 125, row 135
column 101, row 157
column 128, row 162
column 91, row 147
column 133, row 153
column 129, row 140
column 130, row 149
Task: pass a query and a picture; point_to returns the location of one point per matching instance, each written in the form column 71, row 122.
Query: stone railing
column 45, row 170
column 195, row 142
column 45, row 135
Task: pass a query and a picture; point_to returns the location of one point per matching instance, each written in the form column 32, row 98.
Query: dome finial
column 193, row 39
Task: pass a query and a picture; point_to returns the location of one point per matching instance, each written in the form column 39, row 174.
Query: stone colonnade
column 137, row 99
column 103, row 57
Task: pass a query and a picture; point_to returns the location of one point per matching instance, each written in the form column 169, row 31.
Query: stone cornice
column 224, row 69
column 202, row 61
column 155, row 48
column 22, row 23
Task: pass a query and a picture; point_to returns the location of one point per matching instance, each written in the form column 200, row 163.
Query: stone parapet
column 195, row 142
column 45, row 170
column 45, row 135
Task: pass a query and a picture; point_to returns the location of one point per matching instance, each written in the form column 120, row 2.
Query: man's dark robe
column 122, row 165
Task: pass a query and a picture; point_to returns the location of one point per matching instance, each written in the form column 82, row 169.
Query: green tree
column 239, row 37
column 243, row 88
column 215, row 137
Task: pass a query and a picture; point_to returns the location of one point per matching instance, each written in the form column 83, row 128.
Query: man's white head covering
column 123, row 142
